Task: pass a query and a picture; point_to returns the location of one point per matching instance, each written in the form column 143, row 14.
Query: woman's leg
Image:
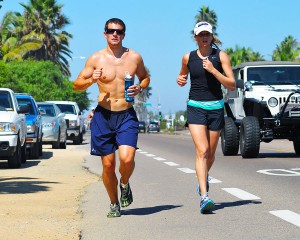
column 201, row 140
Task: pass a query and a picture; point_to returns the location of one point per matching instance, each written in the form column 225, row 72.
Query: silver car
column 54, row 125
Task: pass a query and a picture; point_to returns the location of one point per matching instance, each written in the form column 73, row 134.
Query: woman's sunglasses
column 112, row 31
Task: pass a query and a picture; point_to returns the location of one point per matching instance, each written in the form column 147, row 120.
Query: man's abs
column 113, row 104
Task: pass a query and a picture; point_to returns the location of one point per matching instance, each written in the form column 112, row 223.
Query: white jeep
column 13, row 129
column 264, row 106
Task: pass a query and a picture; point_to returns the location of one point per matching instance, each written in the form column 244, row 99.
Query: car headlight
column 73, row 123
column 7, row 127
column 273, row 102
column 31, row 128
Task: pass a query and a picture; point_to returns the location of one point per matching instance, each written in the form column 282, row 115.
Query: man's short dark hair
column 116, row 21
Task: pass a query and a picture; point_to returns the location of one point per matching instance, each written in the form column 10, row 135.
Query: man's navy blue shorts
column 213, row 119
column 110, row 129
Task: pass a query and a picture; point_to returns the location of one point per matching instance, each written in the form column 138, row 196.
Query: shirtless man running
column 114, row 125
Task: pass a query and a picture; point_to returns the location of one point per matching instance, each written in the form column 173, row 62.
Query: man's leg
column 127, row 164
column 111, row 184
column 109, row 177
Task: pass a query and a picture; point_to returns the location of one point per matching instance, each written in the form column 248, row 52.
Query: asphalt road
column 255, row 198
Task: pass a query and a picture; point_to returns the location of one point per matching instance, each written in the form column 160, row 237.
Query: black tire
column 56, row 145
column 249, row 137
column 230, row 138
column 15, row 160
column 23, row 154
column 63, row 145
column 34, row 152
column 79, row 139
column 41, row 148
column 296, row 146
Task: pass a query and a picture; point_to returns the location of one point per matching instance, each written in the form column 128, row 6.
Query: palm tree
column 14, row 44
column 142, row 98
column 45, row 18
column 288, row 50
column 207, row 15
column 239, row 55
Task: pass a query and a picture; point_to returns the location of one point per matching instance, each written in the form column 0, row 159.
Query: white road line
column 288, row 216
column 143, row 152
column 159, row 159
column 213, row 180
column 187, row 170
column 139, row 150
column 172, row 164
column 239, row 193
column 150, row 155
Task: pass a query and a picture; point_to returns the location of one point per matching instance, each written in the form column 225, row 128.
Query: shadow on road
column 21, row 185
column 278, row 155
column 219, row 206
column 149, row 210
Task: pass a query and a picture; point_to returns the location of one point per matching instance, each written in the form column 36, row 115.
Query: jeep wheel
column 250, row 137
column 297, row 146
column 230, row 138
column 15, row 160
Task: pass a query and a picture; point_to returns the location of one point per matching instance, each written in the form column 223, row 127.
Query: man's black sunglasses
column 112, row 31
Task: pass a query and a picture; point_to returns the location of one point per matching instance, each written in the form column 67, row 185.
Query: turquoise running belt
column 206, row 105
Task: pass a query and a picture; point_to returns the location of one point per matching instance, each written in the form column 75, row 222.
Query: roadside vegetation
column 34, row 53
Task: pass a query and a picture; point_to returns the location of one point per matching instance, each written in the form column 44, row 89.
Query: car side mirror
column 248, row 86
column 239, row 83
column 42, row 111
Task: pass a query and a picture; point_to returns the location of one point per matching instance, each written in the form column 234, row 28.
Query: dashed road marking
column 160, row 159
column 239, row 193
column 172, row 164
column 288, row 216
column 186, row 170
column 213, row 180
column 143, row 152
column 150, row 155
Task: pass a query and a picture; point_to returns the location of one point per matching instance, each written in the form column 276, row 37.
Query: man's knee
column 127, row 160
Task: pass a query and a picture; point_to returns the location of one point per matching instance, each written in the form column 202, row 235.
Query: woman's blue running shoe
column 206, row 205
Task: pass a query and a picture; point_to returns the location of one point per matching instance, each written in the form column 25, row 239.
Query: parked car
column 153, row 127
column 12, row 129
column 142, row 126
column 264, row 106
column 34, row 125
column 54, row 125
column 74, row 118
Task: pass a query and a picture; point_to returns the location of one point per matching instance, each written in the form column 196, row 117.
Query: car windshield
column 67, row 108
column 5, row 101
column 48, row 109
column 24, row 102
column 274, row 75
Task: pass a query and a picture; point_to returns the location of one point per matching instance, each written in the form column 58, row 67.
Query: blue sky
column 160, row 31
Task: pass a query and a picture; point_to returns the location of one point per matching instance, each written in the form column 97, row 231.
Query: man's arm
column 87, row 77
column 142, row 74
